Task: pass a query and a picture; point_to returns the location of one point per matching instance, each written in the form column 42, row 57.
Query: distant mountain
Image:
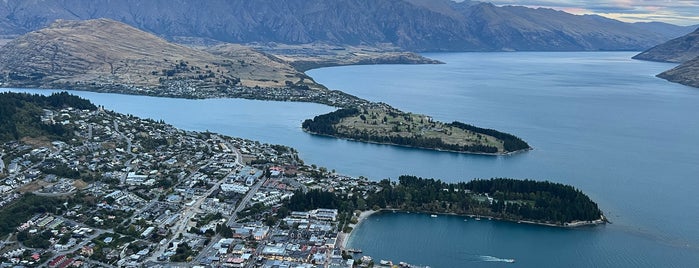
column 105, row 55
column 683, row 50
column 416, row 25
column 678, row 50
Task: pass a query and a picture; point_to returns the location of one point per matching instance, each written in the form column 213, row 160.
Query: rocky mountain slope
column 416, row 25
column 684, row 50
column 678, row 50
column 686, row 73
column 105, row 55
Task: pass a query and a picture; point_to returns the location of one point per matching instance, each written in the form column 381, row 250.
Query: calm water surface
column 598, row 121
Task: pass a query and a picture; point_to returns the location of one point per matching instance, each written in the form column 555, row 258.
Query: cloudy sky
column 681, row 12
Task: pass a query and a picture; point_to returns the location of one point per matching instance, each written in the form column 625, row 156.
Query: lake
column 597, row 120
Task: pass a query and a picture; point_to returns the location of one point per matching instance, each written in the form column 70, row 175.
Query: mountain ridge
column 677, row 50
column 683, row 50
column 414, row 25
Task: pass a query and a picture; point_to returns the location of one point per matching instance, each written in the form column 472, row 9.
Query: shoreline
column 567, row 225
column 422, row 148
column 573, row 224
column 362, row 216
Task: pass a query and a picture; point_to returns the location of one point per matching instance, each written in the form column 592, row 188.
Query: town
column 131, row 192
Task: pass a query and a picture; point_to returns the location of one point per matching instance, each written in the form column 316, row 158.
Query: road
column 207, row 251
column 190, row 211
column 129, row 150
column 246, row 199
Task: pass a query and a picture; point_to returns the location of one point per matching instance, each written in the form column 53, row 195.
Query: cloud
column 682, row 12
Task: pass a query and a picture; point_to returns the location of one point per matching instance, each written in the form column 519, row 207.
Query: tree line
column 324, row 124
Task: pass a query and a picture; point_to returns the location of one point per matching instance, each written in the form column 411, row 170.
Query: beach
column 344, row 237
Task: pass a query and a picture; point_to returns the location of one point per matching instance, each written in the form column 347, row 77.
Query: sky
column 680, row 12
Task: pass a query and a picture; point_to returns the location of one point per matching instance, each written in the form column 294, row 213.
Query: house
column 325, row 214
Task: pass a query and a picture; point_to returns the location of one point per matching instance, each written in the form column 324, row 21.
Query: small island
column 383, row 124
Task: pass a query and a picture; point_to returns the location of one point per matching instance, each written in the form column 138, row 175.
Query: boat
column 478, row 219
column 433, row 216
column 509, row 260
column 353, row 250
column 386, row 263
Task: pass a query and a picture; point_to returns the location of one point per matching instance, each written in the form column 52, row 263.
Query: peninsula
column 387, row 125
column 99, row 55
column 525, row 201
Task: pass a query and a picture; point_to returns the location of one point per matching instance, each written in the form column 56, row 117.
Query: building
column 325, row 214
column 148, row 232
column 133, row 179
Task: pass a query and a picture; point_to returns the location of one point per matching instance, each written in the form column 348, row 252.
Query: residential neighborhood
column 131, row 192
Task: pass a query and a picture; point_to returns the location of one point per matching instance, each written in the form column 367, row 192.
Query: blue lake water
column 597, row 120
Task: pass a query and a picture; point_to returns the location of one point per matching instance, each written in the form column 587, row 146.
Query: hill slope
column 678, row 50
column 686, row 73
column 417, row 25
column 683, row 50
column 105, row 55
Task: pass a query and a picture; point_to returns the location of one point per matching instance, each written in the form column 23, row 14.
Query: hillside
column 105, row 55
column 686, row 73
column 415, row 25
column 677, row 50
column 684, row 50
column 21, row 115
column 304, row 57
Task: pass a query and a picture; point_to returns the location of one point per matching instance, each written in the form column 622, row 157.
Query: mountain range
column 415, row 25
column 683, row 50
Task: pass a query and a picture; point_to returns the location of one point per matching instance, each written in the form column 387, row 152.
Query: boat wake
column 495, row 259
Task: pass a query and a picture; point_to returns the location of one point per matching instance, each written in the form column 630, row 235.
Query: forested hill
column 532, row 201
column 20, row 114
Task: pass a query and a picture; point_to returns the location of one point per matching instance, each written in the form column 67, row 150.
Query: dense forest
column 510, row 199
column 323, row 124
column 20, row 114
column 326, row 125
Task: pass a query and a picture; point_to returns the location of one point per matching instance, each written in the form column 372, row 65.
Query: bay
column 597, row 120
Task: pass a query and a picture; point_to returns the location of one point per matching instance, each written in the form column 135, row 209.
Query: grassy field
column 383, row 122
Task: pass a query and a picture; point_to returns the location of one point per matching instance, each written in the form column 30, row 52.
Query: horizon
column 680, row 12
